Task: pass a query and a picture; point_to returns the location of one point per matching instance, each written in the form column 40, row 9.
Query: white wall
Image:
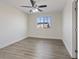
column 55, row 32
column 68, row 29
column 13, row 25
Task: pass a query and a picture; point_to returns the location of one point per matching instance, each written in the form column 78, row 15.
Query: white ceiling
column 52, row 5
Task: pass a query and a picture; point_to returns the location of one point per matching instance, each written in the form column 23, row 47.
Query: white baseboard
column 45, row 37
column 66, row 46
column 17, row 40
column 7, row 44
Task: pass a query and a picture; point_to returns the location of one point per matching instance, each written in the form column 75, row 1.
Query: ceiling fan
column 35, row 7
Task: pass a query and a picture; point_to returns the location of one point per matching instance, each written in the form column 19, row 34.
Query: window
column 44, row 22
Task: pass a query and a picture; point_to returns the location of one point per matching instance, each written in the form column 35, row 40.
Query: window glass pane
column 38, row 20
column 49, row 20
column 46, row 19
column 41, row 19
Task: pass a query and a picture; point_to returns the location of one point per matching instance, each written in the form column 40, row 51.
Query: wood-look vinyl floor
column 34, row 48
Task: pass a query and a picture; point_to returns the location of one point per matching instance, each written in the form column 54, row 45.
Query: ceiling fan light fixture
column 35, row 10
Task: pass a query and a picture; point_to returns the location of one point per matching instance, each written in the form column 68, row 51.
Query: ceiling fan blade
column 27, row 6
column 42, row 6
column 32, row 2
column 40, row 10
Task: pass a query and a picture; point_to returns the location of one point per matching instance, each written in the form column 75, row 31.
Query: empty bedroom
column 38, row 29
